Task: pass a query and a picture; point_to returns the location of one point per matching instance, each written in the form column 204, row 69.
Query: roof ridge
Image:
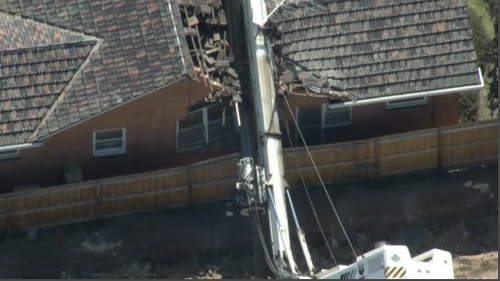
column 48, row 47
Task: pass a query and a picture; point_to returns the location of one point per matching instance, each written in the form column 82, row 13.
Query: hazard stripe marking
column 395, row 273
column 348, row 275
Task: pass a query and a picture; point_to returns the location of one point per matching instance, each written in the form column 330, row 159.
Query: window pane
column 216, row 112
column 335, row 117
column 193, row 119
column 419, row 100
column 191, row 137
column 115, row 134
column 406, row 103
column 9, row 152
column 309, row 116
column 108, row 145
column 217, row 131
column 312, row 136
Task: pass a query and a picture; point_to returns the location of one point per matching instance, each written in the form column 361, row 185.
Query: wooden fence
column 214, row 180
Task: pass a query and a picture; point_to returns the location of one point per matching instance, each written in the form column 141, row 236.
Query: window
column 207, row 125
column 406, row 103
column 309, row 120
column 336, row 117
column 110, row 142
column 314, row 120
column 9, row 154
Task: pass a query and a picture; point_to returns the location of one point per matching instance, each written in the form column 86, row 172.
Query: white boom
column 268, row 130
column 264, row 184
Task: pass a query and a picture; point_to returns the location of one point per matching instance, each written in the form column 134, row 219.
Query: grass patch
column 483, row 30
column 480, row 17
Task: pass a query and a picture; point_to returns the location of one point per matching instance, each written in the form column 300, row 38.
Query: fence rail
column 214, row 180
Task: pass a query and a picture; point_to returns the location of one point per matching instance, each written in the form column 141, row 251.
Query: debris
column 136, row 270
column 98, row 244
column 205, row 25
column 32, row 233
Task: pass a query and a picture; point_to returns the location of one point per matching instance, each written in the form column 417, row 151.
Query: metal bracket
column 251, row 185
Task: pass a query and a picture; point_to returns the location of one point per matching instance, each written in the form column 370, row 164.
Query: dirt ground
column 483, row 266
column 453, row 237
column 147, row 245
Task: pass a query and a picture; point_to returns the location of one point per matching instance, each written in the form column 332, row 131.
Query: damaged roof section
column 380, row 47
column 206, row 30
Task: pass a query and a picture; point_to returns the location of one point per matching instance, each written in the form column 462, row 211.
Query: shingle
column 381, row 47
column 35, row 75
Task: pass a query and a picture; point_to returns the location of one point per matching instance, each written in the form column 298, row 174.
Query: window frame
column 110, row 151
column 404, row 103
column 15, row 155
column 322, row 126
column 205, row 122
column 324, row 109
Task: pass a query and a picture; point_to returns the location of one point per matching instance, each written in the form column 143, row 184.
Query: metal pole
column 268, row 131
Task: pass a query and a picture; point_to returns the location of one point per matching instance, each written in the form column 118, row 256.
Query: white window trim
column 323, row 115
column 111, row 151
column 16, row 153
column 404, row 103
column 205, row 122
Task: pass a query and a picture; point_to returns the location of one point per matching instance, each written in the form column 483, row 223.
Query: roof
column 381, row 47
column 64, row 61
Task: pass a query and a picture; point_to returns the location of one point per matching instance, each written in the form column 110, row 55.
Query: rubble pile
column 206, row 29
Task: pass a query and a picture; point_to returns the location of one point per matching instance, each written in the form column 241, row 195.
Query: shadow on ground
column 453, row 211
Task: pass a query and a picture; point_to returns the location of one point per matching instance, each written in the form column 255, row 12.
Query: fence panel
column 64, row 214
column 467, row 144
column 214, row 170
column 459, row 135
column 408, row 152
column 171, row 197
column 213, row 191
column 51, row 198
column 143, row 184
column 469, row 153
column 214, row 180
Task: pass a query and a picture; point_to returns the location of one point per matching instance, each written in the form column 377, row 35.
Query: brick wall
column 374, row 120
column 150, row 124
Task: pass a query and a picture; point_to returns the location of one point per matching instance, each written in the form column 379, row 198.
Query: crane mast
column 261, row 181
column 265, row 180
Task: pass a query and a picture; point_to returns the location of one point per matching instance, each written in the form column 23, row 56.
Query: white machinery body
column 395, row 262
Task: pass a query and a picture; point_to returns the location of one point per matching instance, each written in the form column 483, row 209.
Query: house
column 403, row 63
column 117, row 87
column 101, row 85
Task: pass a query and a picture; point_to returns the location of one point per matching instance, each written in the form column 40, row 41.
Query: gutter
column 21, row 146
column 413, row 95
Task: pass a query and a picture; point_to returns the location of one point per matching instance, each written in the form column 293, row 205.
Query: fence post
column 439, row 150
column 7, row 215
column 189, row 185
column 355, row 154
column 377, row 157
column 97, row 201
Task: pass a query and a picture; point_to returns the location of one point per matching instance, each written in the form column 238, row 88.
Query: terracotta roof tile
column 115, row 44
column 382, row 47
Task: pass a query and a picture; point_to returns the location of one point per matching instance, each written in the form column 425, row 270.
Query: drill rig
column 262, row 184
